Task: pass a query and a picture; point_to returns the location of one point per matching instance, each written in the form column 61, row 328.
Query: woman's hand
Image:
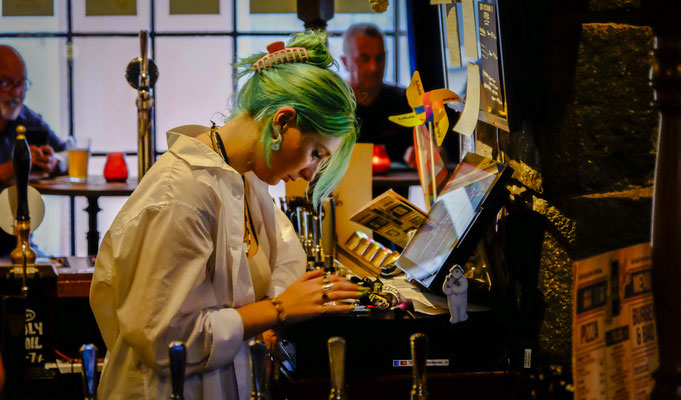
column 306, row 297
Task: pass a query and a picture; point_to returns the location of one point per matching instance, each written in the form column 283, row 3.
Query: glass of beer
column 79, row 153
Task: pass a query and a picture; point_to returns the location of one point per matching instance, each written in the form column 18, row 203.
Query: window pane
column 385, row 21
column 81, row 225
column 114, row 23
column 55, row 23
column 247, row 22
column 403, row 14
column 405, row 68
column 104, row 103
column 46, row 66
column 53, row 235
column 196, row 23
column 192, row 87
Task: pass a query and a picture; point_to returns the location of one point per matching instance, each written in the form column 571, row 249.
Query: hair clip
column 279, row 53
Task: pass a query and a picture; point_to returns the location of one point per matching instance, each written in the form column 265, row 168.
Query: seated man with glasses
column 43, row 142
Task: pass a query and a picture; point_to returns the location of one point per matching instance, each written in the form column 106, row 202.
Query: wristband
column 281, row 314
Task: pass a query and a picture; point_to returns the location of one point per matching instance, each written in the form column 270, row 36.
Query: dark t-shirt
column 37, row 133
column 377, row 129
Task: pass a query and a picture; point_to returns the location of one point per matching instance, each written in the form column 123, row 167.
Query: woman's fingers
column 309, row 275
column 343, row 295
column 343, row 285
column 335, row 309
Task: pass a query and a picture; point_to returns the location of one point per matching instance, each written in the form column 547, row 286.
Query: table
column 92, row 189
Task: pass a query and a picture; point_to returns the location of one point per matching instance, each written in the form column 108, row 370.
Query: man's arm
column 45, row 159
column 6, row 174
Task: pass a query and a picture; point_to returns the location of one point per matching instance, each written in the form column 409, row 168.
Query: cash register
column 378, row 342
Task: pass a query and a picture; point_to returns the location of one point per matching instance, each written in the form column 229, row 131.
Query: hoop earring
column 275, row 142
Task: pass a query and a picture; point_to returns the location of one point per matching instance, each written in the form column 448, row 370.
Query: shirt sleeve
column 54, row 141
column 52, row 138
column 162, row 289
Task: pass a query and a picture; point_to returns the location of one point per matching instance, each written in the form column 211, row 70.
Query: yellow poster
column 614, row 340
column 289, row 6
column 110, row 7
column 27, row 8
column 194, row 7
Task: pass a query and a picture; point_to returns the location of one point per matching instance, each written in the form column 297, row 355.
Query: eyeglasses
column 7, row 84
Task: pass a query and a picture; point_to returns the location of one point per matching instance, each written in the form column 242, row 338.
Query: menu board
column 614, row 341
column 493, row 99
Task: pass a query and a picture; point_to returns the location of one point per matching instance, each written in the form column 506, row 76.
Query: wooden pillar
column 666, row 229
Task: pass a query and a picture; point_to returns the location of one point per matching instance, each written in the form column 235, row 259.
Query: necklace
column 219, row 147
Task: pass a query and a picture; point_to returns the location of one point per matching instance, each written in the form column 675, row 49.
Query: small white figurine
column 456, row 288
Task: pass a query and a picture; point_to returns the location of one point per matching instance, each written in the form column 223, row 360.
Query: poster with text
column 614, row 339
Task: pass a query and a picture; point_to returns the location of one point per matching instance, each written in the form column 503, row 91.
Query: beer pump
column 142, row 74
column 21, row 346
column 313, row 233
column 177, row 354
column 258, row 352
column 419, row 350
column 88, row 355
column 23, row 254
column 337, row 367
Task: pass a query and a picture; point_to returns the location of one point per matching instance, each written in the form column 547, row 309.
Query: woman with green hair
column 200, row 253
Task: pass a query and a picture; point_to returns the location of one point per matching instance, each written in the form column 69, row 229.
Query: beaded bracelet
column 281, row 314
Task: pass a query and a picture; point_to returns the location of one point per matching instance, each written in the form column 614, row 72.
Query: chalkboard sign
column 497, row 46
column 493, row 97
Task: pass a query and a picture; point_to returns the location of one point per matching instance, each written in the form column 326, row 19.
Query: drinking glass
column 79, row 153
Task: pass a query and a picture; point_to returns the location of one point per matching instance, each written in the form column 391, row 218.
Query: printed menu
column 614, row 338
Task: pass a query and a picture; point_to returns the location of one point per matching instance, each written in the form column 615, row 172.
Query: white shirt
column 173, row 266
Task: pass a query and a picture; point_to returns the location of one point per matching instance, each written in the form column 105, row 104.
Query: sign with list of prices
column 614, row 338
column 493, row 98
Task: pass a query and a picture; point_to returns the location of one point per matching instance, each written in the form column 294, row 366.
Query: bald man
column 42, row 140
column 364, row 59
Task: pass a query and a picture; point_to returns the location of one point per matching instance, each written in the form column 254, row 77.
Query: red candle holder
column 380, row 162
column 115, row 169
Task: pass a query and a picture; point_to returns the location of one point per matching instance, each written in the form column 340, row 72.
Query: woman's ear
column 285, row 114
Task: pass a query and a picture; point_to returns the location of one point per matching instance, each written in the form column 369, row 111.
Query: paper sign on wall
column 453, row 43
column 108, row 7
column 27, row 8
column 289, row 6
column 470, row 34
column 194, row 7
column 614, row 338
column 469, row 116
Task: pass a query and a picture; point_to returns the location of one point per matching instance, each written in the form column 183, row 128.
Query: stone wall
column 583, row 162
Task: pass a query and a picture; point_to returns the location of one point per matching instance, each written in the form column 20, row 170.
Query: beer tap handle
column 301, row 224
column 317, row 241
column 419, row 349
column 310, row 230
column 22, row 169
column 144, row 66
column 178, row 360
column 337, row 366
column 315, row 228
column 88, row 355
column 22, row 254
column 258, row 352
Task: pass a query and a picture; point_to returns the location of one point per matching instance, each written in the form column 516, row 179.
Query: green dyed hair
column 324, row 103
